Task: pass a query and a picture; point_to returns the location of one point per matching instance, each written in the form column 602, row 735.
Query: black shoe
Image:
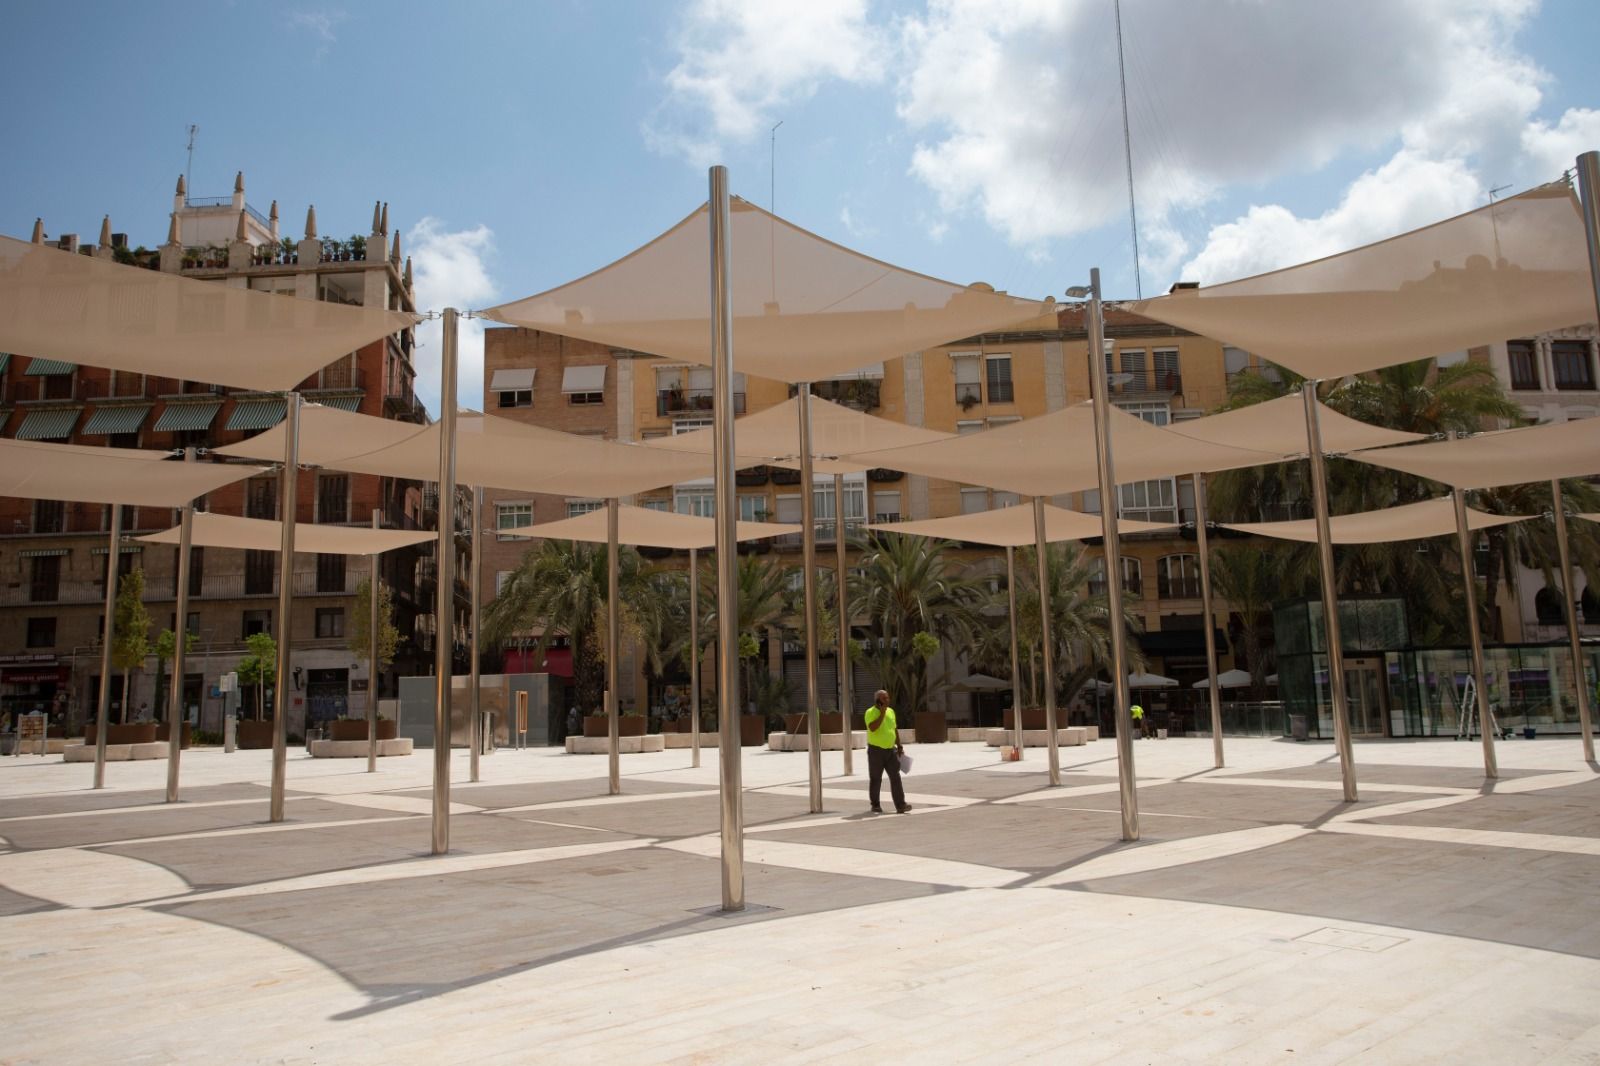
column 903, row 810
column 875, row 810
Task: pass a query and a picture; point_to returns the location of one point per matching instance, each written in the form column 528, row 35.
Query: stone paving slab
column 1380, row 773
column 1246, row 803
column 108, row 799
column 16, row 903
column 497, row 796
column 114, row 825
column 975, row 784
column 1570, row 811
column 670, row 818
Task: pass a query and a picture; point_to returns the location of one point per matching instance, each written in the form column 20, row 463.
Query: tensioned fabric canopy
column 1503, row 457
column 647, row 528
column 1590, row 517
column 109, row 475
column 1055, row 453
column 804, row 308
column 1411, row 521
column 1516, row 267
column 261, row 534
column 77, row 308
column 490, row 452
column 772, row 437
column 1280, row 426
column 1012, row 527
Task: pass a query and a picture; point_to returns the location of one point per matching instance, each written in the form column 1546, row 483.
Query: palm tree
column 559, row 589
column 909, row 587
column 766, row 599
column 1247, row 579
column 1533, row 544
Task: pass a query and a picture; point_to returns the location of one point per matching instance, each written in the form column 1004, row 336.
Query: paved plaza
column 1259, row 919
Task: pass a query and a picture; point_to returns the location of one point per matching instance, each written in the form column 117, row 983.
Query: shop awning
column 580, row 379
column 512, row 380
column 341, row 403
column 178, row 417
column 52, row 423
column 44, row 368
column 5, row 361
column 252, row 415
column 124, row 418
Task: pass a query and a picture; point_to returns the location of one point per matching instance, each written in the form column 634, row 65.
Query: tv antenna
column 188, row 168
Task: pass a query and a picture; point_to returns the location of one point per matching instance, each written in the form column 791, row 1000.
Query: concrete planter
column 164, row 734
column 254, row 735
column 931, row 727
column 131, row 733
column 752, row 730
column 628, row 725
column 1032, row 718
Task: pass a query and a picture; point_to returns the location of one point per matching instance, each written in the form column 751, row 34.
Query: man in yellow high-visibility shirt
column 883, row 753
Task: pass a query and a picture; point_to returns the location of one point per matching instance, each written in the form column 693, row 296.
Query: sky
column 521, row 144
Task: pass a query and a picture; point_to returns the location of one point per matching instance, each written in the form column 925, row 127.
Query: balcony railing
column 125, row 387
column 341, row 377
column 160, row 589
column 853, row 527
column 1181, row 588
column 680, row 401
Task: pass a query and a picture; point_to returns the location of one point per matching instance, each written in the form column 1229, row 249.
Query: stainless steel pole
column 108, row 634
column 1046, row 641
column 1589, row 191
column 613, row 652
column 1016, row 663
column 1580, row 679
column 475, row 733
column 374, row 644
column 808, row 561
column 1330, row 595
column 1126, row 783
column 444, row 604
column 694, row 657
column 1469, row 586
column 841, row 575
column 732, row 799
column 1205, row 612
column 175, row 709
column 288, row 495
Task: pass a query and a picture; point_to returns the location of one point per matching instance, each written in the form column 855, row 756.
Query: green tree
column 767, row 599
column 361, row 626
column 258, row 667
column 1247, row 579
column 166, row 647
column 130, row 630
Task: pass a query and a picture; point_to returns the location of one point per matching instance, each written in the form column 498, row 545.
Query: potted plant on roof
column 357, row 244
column 287, row 253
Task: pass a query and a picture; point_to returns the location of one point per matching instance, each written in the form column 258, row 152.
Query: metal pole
column 288, row 494
column 808, row 561
column 1330, row 597
column 841, row 574
column 444, row 603
column 1589, row 192
column 732, row 805
column 1126, row 784
column 694, row 657
column 475, row 732
column 1016, row 664
column 1205, row 612
column 613, row 652
column 175, row 715
column 1469, row 585
column 1046, row 642
column 374, row 632
column 1580, row 678
column 103, row 715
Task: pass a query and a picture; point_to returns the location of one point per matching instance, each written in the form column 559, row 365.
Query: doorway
column 1367, row 690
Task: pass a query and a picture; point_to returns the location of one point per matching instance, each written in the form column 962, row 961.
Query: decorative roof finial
column 172, row 231
column 375, row 219
column 183, row 189
column 105, row 232
column 238, row 182
column 394, row 253
column 311, row 223
column 241, row 234
column 38, row 231
column 383, row 220
column 408, row 272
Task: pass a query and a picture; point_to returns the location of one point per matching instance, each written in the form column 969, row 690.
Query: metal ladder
column 1467, row 706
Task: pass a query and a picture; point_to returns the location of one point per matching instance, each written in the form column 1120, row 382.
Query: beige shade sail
column 1590, row 517
column 1516, row 267
column 647, row 528
column 491, row 452
column 1411, row 521
column 804, row 308
column 772, row 437
column 131, row 476
column 261, row 534
column 1012, row 527
column 78, row 308
column 1279, row 426
column 1055, row 453
column 1505, row 457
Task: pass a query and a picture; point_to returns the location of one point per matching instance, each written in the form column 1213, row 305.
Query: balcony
column 862, row 394
column 687, row 401
column 341, row 376
column 1178, row 588
column 161, row 589
column 824, row 527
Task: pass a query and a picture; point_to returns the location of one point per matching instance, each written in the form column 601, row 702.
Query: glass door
column 1367, row 690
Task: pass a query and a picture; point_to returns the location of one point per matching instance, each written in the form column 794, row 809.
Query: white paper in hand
column 905, row 762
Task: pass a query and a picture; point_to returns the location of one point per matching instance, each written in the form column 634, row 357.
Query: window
column 999, row 374
column 259, row 567
column 1524, row 364
column 969, row 385
column 1132, row 577
column 1133, row 365
column 510, row 516
column 515, row 397
column 689, row 425
column 192, row 619
column 974, row 500
column 256, row 622
column 500, row 579
column 580, row 399
column 656, row 503
column 1149, row 501
column 49, row 516
column 261, row 498
column 197, row 568
column 1156, row 413
column 1178, row 577
column 701, row 502
column 753, row 508
column 1165, row 364
column 969, row 425
column 130, row 517
column 330, row 573
column 886, row 506
column 1235, row 360
column 513, row 388
column 41, row 632
column 1006, row 499
column 578, row 507
column 333, row 498
column 330, row 622
column 584, row 384
column 1573, row 369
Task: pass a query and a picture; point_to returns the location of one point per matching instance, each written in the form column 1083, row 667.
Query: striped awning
column 186, row 417
column 41, row 553
column 250, row 415
column 44, row 368
column 343, row 403
column 51, row 423
column 5, row 361
column 124, row 418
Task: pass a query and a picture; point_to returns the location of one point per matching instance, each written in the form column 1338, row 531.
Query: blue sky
column 522, row 144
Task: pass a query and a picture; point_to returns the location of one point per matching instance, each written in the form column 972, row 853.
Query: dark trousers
column 879, row 760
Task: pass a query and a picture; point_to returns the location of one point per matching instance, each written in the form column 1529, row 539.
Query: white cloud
column 320, row 24
column 449, row 268
column 740, row 63
column 853, row 226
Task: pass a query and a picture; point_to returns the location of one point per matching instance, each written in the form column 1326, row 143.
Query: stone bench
column 830, row 741
column 708, row 739
column 625, row 745
column 356, row 749
column 155, row 749
column 1071, row 736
